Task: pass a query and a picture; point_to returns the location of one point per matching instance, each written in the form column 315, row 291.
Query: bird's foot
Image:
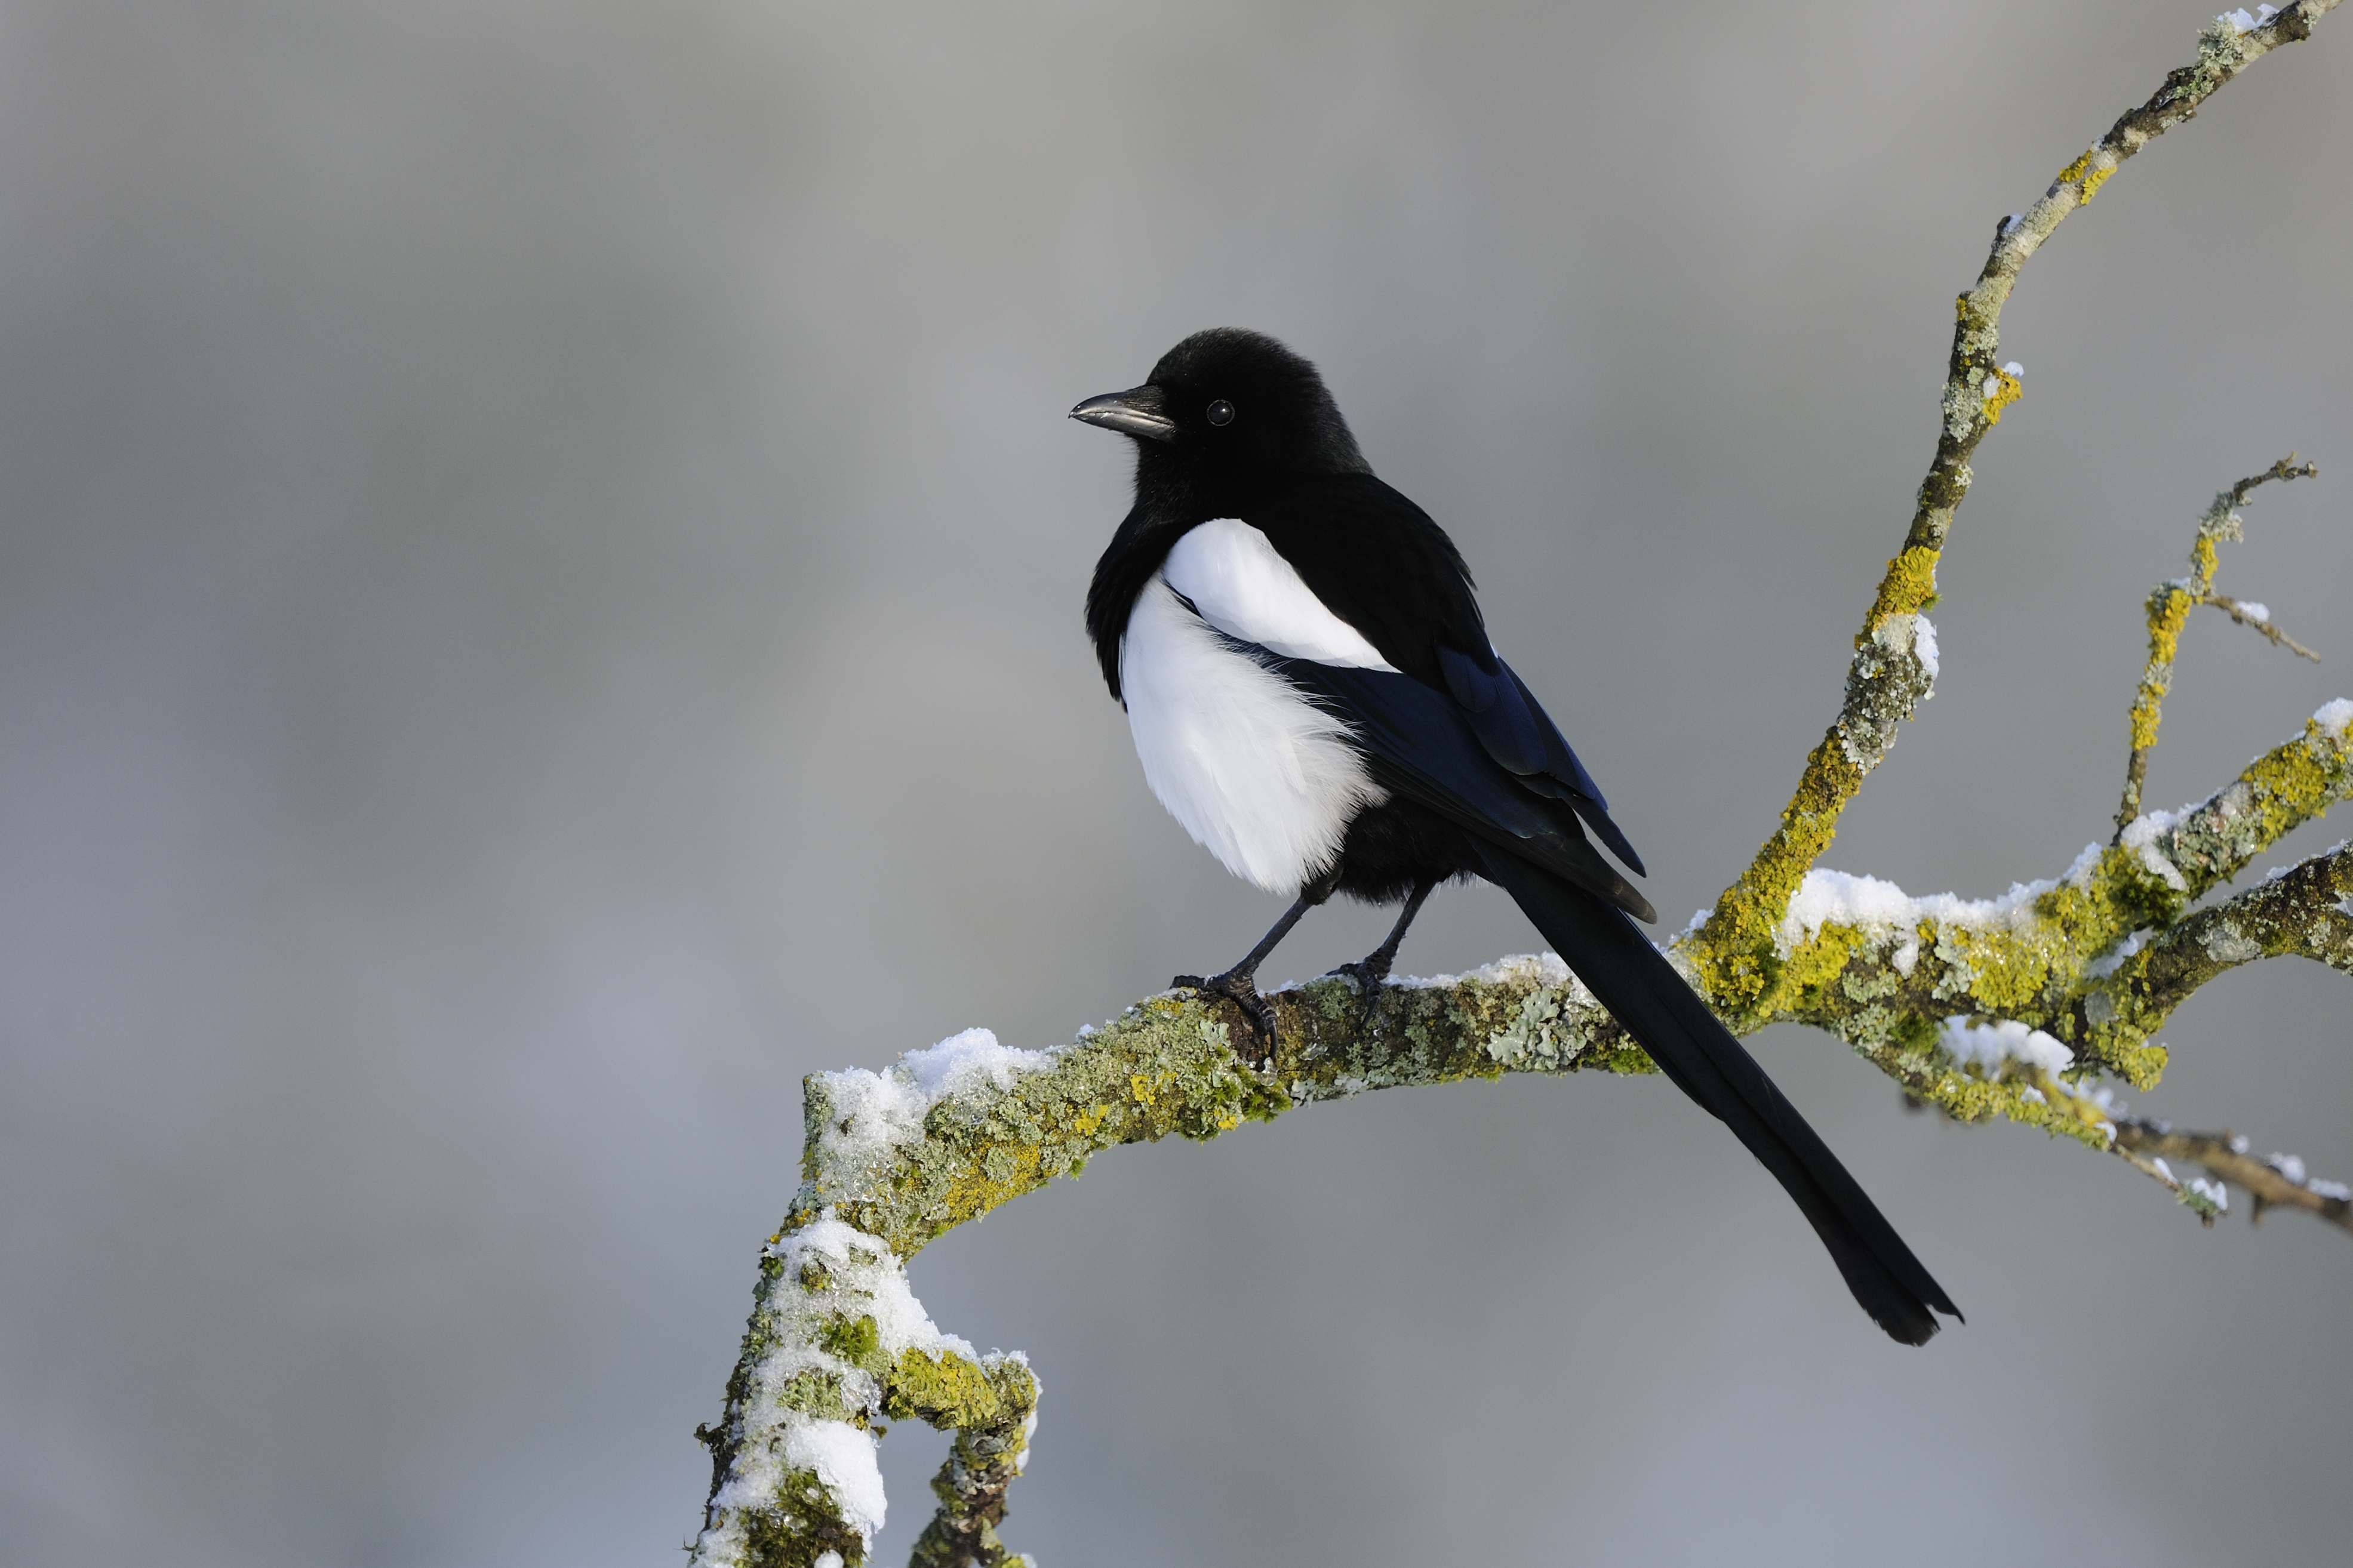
column 1371, row 975
column 1239, row 986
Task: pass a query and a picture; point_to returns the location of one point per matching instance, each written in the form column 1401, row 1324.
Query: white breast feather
column 1241, row 586
column 1262, row 778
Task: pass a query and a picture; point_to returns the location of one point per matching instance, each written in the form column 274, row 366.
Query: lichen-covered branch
column 2012, row 1006
column 2305, row 912
column 2015, row 1006
column 2170, row 603
column 836, row 1341
column 1894, row 665
column 2004, row 1007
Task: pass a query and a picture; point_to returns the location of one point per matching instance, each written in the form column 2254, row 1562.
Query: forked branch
column 2170, row 603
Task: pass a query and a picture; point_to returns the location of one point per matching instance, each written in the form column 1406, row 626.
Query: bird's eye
column 1221, row 412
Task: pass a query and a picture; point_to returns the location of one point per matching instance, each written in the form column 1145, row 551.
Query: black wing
column 1381, row 564
column 1424, row 746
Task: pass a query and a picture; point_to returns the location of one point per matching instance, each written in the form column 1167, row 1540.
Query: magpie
column 1311, row 690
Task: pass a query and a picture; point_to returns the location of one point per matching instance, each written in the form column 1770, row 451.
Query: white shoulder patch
column 1241, row 586
column 1261, row 776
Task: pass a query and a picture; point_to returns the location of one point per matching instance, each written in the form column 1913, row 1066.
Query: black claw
column 1371, row 980
column 1256, row 1010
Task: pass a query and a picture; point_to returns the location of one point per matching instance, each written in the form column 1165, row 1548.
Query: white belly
column 1259, row 775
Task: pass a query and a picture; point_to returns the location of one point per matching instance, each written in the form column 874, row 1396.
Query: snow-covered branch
column 838, row 1343
column 2015, row 1006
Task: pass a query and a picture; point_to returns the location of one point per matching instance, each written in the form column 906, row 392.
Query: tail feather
column 1641, row 990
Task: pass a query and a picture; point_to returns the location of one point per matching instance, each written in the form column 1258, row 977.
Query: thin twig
column 2170, row 603
column 2277, row 1182
column 2246, row 616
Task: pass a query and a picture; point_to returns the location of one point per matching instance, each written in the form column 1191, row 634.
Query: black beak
column 1140, row 411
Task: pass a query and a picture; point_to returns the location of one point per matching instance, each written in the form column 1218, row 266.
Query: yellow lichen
column 2006, row 391
column 1907, row 588
column 942, row 1390
column 2168, row 611
column 2297, row 782
column 1001, row 1174
column 2081, row 169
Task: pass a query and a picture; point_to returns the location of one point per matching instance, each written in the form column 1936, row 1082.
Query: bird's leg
column 1239, row 983
column 1372, row 971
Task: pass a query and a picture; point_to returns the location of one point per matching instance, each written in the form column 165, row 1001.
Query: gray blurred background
column 538, row 603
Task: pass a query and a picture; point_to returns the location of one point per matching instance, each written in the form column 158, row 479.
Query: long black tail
column 1692, row 1048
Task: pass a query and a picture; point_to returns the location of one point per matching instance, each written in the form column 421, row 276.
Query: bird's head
column 1228, row 408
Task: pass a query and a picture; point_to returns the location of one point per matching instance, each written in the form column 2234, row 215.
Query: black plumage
column 1361, row 608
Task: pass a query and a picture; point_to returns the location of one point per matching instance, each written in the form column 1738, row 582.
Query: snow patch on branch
column 1882, row 909
column 878, row 1113
column 843, row 1457
column 833, row 1275
column 2108, row 962
column 2292, row 1168
column 1995, row 1046
column 2140, row 835
column 1540, row 969
column 866, row 1275
column 2213, row 1192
